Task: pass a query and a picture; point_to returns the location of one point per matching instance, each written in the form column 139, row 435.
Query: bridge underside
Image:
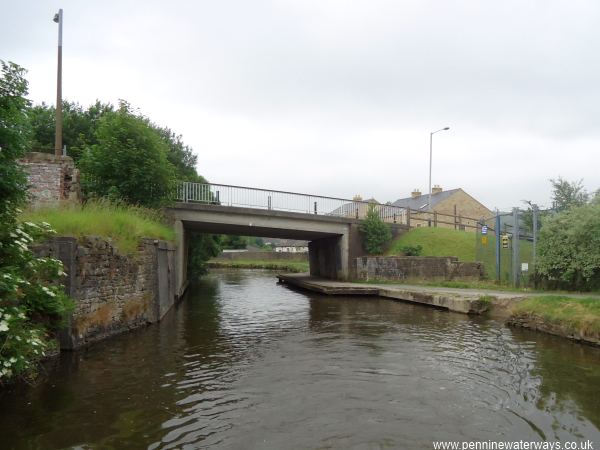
column 333, row 241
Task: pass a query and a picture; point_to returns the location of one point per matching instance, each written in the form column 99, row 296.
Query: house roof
column 420, row 202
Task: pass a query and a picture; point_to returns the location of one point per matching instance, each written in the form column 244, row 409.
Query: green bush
column 411, row 250
column 375, row 232
column 569, row 248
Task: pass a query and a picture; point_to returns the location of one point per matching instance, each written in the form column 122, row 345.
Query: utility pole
column 430, row 162
column 58, row 145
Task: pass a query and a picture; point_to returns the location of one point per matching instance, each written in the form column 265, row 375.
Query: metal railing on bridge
column 239, row 196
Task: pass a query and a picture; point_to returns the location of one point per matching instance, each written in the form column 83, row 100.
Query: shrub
column 411, row 250
column 376, row 233
column 569, row 248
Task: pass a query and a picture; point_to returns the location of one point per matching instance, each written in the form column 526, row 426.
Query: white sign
column 524, row 267
column 484, row 229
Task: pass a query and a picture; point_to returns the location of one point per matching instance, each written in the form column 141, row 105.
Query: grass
column 437, row 242
column 287, row 266
column 581, row 314
column 124, row 225
column 463, row 245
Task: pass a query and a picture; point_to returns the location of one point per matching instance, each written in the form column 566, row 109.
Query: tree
column 202, row 248
column 376, row 233
column 31, row 301
column 129, row 162
column 567, row 194
column 79, row 126
column 14, row 136
column 569, row 248
column 234, row 242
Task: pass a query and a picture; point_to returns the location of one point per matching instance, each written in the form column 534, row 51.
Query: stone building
column 453, row 208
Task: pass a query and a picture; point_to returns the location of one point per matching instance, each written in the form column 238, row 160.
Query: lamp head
column 447, row 128
column 56, row 18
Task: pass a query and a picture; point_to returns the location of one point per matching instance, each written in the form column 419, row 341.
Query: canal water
column 245, row 363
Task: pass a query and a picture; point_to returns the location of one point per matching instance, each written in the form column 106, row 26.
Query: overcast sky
column 338, row 97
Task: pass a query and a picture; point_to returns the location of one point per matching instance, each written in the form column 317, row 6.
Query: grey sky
column 338, row 97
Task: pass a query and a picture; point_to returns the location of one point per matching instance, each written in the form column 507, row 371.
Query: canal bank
column 575, row 317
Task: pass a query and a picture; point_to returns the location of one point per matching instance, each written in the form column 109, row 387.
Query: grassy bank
column 437, row 242
column 124, row 225
column 578, row 316
column 287, row 266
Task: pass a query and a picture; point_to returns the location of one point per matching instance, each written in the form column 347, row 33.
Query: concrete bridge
column 331, row 225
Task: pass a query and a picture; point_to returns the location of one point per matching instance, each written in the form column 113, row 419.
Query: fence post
column 516, row 269
column 497, row 229
column 408, row 217
column 435, row 219
column 455, row 226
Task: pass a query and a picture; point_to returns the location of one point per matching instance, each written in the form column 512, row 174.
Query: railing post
column 218, row 201
column 408, row 217
column 185, row 193
column 269, row 202
column 357, row 207
column 394, row 217
column 315, row 207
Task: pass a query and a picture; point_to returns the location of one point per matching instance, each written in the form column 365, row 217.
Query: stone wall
column 262, row 256
column 406, row 268
column 112, row 292
column 52, row 179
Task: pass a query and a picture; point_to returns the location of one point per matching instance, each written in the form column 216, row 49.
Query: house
column 453, row 208
column 358, row 210
column 288, row 245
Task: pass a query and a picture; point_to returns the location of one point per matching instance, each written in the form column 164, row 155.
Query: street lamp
column 430, row 157
column 58, row 18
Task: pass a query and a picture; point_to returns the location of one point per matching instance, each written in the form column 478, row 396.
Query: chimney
column 416, row 193
column 436, row 189
column 357, row 198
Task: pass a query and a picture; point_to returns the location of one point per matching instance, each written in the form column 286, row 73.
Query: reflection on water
column 247, row 363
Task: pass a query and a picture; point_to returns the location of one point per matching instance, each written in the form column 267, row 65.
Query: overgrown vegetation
column 569, row 248
column 376, row 233
column 32, row 303
column 124, row 224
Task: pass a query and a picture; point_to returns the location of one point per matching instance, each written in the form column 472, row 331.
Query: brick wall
column 405, row 268
column 52, row 179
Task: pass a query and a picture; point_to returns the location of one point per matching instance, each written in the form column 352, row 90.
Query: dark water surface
column 244, row 363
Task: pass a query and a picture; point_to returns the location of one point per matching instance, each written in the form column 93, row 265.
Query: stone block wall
column 406, row 268
column 52, row 179
column 113, row 293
